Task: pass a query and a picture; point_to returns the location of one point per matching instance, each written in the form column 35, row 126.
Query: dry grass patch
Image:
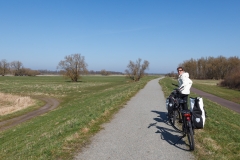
column 106, row 113
column 85, row 130
column 11, row 103
column 211, row 143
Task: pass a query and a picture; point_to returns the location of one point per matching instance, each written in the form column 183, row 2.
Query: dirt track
column 51, row 103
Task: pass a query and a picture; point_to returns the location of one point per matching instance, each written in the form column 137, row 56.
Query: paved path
column 139, row 131
column 231, row 105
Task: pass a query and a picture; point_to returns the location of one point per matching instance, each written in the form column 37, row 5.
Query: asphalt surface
column 223, row 102
column 139, row 131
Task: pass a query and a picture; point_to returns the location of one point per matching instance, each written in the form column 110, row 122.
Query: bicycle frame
column 187, row 128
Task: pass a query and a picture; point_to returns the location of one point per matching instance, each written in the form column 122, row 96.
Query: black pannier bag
column 198, row 112
column 171, row 103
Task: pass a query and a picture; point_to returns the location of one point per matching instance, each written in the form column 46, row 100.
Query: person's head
column 180, row 70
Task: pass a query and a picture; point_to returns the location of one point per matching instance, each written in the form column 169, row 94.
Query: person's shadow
column 166, row 133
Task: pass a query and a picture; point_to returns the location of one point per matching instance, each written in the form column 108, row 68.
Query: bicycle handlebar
column 175, row 85
column 178, row 89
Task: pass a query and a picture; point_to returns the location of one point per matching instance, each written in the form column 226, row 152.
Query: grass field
column 220, row 138
column 84, row 106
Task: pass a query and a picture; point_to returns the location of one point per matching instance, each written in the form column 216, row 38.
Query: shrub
column 232, row 79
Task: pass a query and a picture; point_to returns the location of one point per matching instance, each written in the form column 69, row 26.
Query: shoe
column 180, row 121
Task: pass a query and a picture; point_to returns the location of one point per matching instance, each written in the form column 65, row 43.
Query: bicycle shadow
column 169, row 135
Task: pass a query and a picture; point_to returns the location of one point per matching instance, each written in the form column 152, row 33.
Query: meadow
column 92, row 101
column 220, row 138
column 60, row 133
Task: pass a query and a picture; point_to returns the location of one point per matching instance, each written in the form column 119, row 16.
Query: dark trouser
column 185, row 98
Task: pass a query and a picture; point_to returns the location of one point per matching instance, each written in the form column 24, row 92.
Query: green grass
column 220, row 138
column 59, row 134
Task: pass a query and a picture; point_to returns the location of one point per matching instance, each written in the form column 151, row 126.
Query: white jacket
column 185, row 82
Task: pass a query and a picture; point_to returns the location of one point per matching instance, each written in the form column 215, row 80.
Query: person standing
column 185, row 84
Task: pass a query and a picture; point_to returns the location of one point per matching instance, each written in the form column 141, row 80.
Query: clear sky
column 110, row 33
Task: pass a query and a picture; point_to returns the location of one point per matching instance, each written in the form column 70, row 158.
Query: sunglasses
column 180, row 70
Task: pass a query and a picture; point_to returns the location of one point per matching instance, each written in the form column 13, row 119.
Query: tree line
column 210, row 67
column 73, row 66
column 220, row 68
column 16, row 68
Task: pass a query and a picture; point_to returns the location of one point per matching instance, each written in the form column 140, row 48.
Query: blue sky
column 110, row 33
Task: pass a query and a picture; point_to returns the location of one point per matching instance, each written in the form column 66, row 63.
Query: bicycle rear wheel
column 190, row 136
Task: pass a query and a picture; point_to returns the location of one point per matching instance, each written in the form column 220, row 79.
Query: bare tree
column 73, row 66
column 201, row 70
column 104, row 72
column 4, row 67
column 136, row 70
column 17, row 68
column 232, row 80
column 233, row 62
column 220, row 71
column 191, row 67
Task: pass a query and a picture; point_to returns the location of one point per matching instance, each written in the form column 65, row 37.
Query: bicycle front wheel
column 190, row 136
column 173, row 118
